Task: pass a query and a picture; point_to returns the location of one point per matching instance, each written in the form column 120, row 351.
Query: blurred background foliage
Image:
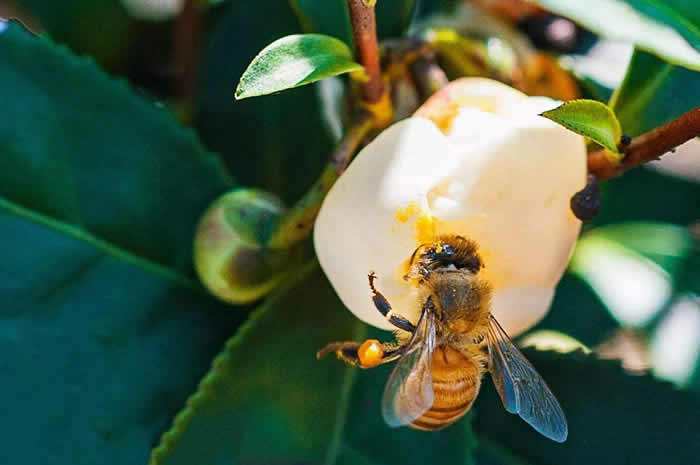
column 119, row 128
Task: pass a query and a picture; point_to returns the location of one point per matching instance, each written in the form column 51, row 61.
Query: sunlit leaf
column 632, row 267
column 670, row 31
column 294, row 61
column 589, row 118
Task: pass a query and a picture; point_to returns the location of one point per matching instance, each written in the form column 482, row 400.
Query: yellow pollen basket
column 370, row 353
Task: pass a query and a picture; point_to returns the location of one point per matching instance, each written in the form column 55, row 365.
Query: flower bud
column 230, row 255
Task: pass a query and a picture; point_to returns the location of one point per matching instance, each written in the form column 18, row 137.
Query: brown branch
column 364, row 34
column 647, row 147
column 186, row 35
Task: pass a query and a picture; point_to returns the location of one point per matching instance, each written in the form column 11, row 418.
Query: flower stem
column 647, row 147
column 364, row 34
column 299, row 221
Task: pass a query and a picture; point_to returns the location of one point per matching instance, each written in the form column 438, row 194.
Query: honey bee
column 442, row 358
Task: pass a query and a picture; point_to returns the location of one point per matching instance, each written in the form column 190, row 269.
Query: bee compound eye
column 370, row 353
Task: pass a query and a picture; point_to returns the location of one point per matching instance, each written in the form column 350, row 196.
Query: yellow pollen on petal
column 404, row 214
column 425, row 229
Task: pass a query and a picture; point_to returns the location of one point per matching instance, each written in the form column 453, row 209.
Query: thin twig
column 364, row 34
column 186, row 32
column 647, row 147
column 299, row 221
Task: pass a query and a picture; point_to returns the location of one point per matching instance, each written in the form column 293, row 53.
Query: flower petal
column 494, row 171
column 371, row 217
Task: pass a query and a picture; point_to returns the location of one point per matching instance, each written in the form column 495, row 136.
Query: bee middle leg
column 367, row 354
column 384, row 308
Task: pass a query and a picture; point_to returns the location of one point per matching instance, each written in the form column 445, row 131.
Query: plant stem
column 299, row 221
column 647, row 147
column 186, row 34
column 364, row 34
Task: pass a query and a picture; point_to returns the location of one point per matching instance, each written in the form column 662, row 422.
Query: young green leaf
column 591, row 119
column 294, row 61
column 280, row 143
column 669, row 30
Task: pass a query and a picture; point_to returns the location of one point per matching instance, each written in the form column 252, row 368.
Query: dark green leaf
column 589, row 118
column 653, row 93
column 295, row 61
column 268, row 400
column 329, row 17
column 100, row 347
column 84, row 150
column 578, row 312
column 99, row 28
column 652, row 25
column 647, row 195
column 266, row 141
column 104, row 333
column 613, row 417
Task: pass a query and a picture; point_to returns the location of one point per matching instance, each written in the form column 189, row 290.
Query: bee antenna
column 415, row 252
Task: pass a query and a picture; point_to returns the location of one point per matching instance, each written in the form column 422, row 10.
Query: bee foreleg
column 384, row 308
column 367, row 354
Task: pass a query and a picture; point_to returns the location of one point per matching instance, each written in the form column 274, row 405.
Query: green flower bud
column 230, row 253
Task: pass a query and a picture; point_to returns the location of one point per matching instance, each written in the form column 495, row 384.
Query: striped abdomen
column 456, row 382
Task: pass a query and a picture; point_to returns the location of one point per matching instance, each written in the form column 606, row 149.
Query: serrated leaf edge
column 170, row 438
column 125, row 87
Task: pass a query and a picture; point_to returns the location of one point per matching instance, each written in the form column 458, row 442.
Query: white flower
column 496, row 173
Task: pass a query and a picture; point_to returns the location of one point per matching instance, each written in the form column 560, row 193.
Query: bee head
column 451, row 252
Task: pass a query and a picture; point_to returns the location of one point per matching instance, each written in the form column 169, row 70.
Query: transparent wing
column 522, row 389
column 409, row 391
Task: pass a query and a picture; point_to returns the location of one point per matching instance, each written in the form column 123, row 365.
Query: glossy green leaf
column 670, row 31
column 613, row 417
column 104, row 332
column 295, row 61
column 268, row 400
column 100, row 347
column 589, row 118
column 67, row 145
column 265, row 141
column 653, row 93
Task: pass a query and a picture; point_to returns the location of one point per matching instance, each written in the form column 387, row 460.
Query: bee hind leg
column 384, row 307
column 367, row 354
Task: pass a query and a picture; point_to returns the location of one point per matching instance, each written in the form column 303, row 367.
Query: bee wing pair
column 409, row 391
column 522, row 389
